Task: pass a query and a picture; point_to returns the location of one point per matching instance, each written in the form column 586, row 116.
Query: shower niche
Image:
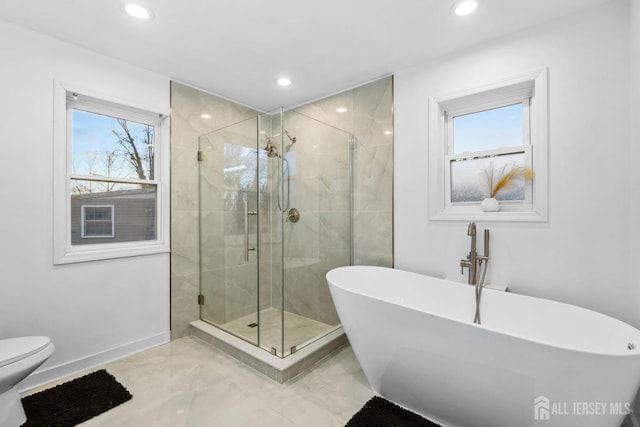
column 275, row 212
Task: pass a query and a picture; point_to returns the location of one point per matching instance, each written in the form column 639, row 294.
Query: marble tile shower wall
column 368, row 116
column 187, row 125
column 212, row 228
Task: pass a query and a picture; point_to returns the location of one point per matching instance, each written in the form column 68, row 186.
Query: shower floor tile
column 299, row 330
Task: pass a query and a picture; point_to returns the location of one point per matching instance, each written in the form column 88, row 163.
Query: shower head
column 271, row 149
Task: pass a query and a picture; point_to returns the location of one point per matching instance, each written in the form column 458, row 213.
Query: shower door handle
column 247, row 249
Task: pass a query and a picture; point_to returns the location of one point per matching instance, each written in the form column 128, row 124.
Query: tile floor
column 189, row 383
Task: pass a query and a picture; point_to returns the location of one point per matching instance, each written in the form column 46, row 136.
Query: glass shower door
column 275, row 216
column 232, row 187
column 316, row 224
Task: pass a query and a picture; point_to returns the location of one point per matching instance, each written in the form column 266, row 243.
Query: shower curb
column 274, row 367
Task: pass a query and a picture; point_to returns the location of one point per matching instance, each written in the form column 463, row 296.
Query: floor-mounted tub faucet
column 471, row 261
column 474, row 261
column 474, row 264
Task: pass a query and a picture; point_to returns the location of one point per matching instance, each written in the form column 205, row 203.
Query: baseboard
column 40, row 377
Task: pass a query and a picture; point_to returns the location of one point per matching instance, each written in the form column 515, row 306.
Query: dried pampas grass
column 505, row 177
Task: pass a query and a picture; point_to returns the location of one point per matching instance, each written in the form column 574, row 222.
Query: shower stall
column 276, row 196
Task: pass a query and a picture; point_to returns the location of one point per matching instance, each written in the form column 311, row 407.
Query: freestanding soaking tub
column 532, row 362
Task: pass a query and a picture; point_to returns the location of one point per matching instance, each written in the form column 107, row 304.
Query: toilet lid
column 14, row 349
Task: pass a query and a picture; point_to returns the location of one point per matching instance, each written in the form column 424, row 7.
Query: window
column 110, row 169
column 483, row 145
column 479, row 135
column 97, row 221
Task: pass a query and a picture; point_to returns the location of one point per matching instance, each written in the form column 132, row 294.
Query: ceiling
column 238, row 48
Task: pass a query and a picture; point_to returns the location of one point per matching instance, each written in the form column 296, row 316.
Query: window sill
column 72, row 256
column 528, row 216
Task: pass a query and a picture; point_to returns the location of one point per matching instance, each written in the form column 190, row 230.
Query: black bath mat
column 75, row 401
column 379, row 412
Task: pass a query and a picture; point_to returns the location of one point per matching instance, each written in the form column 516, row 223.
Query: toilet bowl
column 19, row 357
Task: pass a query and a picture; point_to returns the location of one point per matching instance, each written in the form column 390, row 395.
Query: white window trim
column 534, row 85
column 63, row 251
column 83, row 220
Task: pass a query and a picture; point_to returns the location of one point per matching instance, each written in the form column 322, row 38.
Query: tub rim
column 631, row 353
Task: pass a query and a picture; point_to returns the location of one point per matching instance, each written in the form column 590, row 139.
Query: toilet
column 19, row 357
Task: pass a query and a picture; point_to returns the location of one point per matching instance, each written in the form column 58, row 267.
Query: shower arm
column 293, row 139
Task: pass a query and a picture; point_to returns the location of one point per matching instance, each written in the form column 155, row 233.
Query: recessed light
column 388, row 132
column 137, row 11
column 205, row 116
column 341, row 110
column 284, row 81
column 465, row 7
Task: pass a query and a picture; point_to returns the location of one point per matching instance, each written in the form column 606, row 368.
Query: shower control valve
column 293, row 215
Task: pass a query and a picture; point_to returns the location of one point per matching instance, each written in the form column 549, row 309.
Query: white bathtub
column 532, row 362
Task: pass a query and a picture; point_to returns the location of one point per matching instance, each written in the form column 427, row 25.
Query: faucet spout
column 473, row 255
column 471, row 231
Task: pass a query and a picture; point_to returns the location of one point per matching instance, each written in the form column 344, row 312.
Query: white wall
column 580, row 255
column 634, row 146
column 92, row 311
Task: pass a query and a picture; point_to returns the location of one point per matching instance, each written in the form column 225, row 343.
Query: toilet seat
column 15, row 349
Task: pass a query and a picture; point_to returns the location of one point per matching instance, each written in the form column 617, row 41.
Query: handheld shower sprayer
column 272, row 152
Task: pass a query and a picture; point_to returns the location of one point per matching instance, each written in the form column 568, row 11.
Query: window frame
column 524, row 148
column 95, row 102
column 529, row 89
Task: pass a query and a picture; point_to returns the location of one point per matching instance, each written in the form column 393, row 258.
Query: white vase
column 490, row 205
